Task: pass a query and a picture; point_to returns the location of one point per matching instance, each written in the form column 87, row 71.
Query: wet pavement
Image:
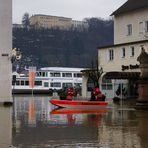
column 32, row 122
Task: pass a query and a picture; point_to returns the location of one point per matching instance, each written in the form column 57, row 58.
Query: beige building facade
column 119, row 61
column 131, row 26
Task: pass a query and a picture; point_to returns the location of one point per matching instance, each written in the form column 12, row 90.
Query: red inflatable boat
column 78, row 104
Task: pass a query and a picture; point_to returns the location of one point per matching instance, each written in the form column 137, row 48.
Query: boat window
column 67, row 85
column 38, row 74
column 17, row 82
column 22, row 83
column 55, row 84
column 46, row 84
column 44, row 74
column 55, row 74
column 38, row 83
column 78, row 85
column 41, row 74
column 78, row 75
column 66, row 74
column 26, row 82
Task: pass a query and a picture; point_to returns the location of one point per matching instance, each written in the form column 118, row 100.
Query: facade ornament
column 143, row 57
column 15, row 55
column 142, row 101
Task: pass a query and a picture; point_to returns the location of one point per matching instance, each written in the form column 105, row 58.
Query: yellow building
column 48, row 21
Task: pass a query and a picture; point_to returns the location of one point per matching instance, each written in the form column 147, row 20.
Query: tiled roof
column 131, row 5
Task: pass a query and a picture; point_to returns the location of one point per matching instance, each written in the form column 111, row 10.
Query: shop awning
column 122, row 75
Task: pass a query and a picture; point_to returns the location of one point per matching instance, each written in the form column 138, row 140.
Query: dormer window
column 129, row 29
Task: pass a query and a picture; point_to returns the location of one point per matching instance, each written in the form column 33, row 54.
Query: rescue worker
column 70, row 93
column 97, row 95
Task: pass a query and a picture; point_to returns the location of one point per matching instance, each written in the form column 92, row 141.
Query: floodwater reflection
column 37, row 124
column 5, row 127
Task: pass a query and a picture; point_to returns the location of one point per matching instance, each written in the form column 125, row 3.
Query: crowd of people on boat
column 96, row 94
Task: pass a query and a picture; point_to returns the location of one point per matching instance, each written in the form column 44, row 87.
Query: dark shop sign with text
column 127, row 67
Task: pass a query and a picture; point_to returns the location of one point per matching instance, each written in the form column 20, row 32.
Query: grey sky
column 75, row 9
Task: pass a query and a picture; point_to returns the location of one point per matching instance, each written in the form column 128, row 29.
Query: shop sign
column 127, row 67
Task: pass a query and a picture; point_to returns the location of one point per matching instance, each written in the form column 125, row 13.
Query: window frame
column 146, row 26
column 132, row 51
column 111, row 54
column 141, row 29
column 129, row 29
column 123, row 52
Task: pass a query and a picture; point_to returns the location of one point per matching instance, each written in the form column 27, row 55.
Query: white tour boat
column 47, row 80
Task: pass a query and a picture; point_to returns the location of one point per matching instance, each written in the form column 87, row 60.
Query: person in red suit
column 97, row 95
column 70, row 93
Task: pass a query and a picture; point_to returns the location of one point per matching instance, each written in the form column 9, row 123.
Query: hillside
column 70, row 48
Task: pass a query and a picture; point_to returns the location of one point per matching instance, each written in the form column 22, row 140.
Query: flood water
column 32, row 122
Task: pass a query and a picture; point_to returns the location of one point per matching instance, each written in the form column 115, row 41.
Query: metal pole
column 121, row 96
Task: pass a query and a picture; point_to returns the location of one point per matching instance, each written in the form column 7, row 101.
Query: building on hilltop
column 48, row 21
column 119, row 61
column 80, row 25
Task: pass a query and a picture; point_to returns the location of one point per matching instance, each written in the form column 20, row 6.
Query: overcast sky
column 75, row 9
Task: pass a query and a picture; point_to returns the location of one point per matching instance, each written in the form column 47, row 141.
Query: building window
column 123, row 53
column 141, row 27
column 106, row 84
column 146, row 26
column 111, row 54
column 129, row 29
column 132, row 51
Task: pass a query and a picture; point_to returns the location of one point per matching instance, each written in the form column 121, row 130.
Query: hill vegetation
column 55, row 47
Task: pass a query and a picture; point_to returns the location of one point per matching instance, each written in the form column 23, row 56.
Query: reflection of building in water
column 48, row 131
column 143, row 127
column 64, row 119
column 30, row 111
column 118, row 137
column 5, row 127
column 119, row 130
